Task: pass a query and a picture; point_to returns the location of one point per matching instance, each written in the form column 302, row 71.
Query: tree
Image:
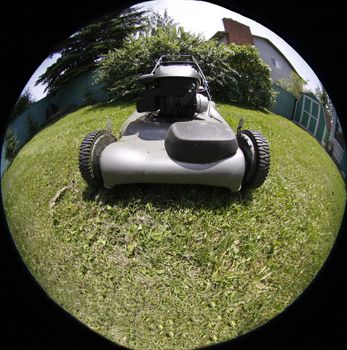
column 327, row 104
column 24, row 101
column 294, row 84
column 324, row 99
column 12, row 144
column 218, row 63
column 155, row 21
column 81, row 51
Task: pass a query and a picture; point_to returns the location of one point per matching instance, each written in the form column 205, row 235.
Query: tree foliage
column 81, row 51
column 12, row 144
column 324, row 99
column 119, row 70
column 294, row 84
column 154, row 21
column 24, row 101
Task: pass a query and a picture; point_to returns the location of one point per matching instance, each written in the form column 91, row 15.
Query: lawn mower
column 175, row 136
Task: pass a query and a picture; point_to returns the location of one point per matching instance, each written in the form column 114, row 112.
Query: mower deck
column 140, row 156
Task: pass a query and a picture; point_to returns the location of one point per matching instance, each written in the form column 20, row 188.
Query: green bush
column 24, row 101
column 12, row 145
column 119, row 69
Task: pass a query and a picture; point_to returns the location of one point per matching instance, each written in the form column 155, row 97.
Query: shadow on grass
column 165, row 196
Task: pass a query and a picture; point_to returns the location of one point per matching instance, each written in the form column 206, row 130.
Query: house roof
column 276, row 48
column 219, row 34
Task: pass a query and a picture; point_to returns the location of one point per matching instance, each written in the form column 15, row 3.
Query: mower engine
column 176, row 88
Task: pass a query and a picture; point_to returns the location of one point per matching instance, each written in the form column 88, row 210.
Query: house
column 240, row 34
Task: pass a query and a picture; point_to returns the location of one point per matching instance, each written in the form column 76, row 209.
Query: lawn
column 168, row 266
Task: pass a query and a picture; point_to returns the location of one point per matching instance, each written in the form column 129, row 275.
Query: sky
column 204, row 18
column 38, row 92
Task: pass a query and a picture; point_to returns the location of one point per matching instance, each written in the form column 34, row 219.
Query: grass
column 173, row 267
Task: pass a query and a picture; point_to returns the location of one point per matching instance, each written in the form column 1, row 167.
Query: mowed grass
column 173, row 267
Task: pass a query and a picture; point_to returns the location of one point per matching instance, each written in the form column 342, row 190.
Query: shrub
column 12, row 145
column 24, row 101
column 118, row 71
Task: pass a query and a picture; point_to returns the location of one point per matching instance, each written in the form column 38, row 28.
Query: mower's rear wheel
column 257, row 154
column 90, row 151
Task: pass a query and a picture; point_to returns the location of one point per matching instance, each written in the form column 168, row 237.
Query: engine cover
column 172, row 89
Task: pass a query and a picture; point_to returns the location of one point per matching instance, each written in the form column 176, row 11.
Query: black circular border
column 316, row 30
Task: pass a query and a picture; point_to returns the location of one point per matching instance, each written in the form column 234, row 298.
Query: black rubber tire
column 257, row 161
column 90, row 151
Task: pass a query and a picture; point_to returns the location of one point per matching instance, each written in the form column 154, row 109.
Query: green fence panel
column 285, row 103
column 75, row 93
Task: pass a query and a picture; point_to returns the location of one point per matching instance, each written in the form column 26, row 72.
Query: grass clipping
column 173, row 267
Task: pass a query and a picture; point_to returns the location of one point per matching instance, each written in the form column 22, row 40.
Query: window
column 275, row 63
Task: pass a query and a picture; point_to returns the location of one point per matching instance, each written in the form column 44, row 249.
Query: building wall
column 267, row 51
column 223, row 39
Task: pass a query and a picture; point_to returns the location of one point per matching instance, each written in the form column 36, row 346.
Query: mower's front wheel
column 89, row 155
column 257, row 155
